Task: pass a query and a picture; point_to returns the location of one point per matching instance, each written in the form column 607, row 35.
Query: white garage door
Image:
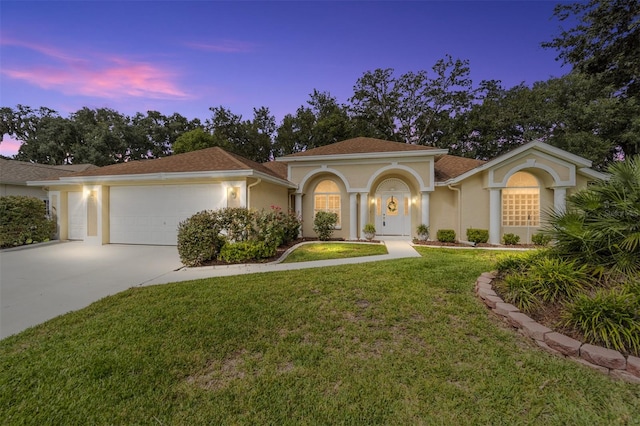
column 150, row 214
column 77, row 217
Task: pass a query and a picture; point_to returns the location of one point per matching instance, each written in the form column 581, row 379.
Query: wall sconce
column 233, row 194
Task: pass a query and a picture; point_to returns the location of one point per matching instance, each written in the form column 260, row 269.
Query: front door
column 393, row 205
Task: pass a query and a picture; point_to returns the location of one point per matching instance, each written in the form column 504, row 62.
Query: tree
column 162, row 131
column 605, row 42
column 418, row 108
column 194, row 140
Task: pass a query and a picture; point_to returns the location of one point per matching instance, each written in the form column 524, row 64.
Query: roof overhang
column 162, row 177
column 582, row 163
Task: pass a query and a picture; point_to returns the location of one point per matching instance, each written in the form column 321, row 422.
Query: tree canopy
column 593, row 111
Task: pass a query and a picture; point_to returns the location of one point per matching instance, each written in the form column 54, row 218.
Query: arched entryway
column 393, row 208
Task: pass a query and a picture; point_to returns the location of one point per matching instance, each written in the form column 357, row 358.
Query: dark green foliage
column 519, row 290
column 324, row 224
column 557, row 280
column 23, row 221
column 199, row 238
column 204, row 236
column 246, row 250
column 511, row 239
column 611, row 317
column 477, row 235
column 601, row 227
column 446, row 235
column 518, row 262
column 541, row 239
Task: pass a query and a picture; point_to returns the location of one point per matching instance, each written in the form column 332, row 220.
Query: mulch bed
column 479, row 245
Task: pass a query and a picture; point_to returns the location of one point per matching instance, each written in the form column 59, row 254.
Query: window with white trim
column 326, row 197
column 521, row 201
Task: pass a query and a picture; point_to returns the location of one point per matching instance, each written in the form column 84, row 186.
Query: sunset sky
column 187, row 56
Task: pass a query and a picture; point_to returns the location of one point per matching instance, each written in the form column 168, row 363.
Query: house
column 14, row 176
column 393, row 185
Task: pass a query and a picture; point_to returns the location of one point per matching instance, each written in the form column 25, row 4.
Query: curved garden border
column 607, row 361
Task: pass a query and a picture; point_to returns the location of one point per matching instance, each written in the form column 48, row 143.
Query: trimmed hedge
column 446, row 235
column 324, row 224
column 23, row 220
column 246, row 250
column 478, row 236
column 511, row 239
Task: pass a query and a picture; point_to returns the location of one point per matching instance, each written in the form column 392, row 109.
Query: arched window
column 326, row 197
column 521, row 201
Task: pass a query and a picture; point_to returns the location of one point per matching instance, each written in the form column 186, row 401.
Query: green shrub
column 519, row 290
column 246, row 250
column 478, row 236
column 423, row 231
column 520, row 261
column 23, row 220
column 511, row 239
column 199, row 238
column 541, row 239
column 237, row 223
column 610, row 318
column 324, row 224
column 446, row 235
column 557, row 279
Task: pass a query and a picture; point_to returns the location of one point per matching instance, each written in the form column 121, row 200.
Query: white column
column 424, row 206
column 495, row 213
column 298, row 209
column 353, row 216
column 364, row 210
column 559, row 199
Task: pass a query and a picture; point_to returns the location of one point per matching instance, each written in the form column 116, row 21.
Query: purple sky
column 186, row 56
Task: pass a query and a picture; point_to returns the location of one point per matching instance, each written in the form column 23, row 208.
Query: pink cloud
column 223, row 46
column 9, row 147
column 111, row 78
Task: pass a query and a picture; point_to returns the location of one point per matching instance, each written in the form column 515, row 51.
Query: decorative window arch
column 326, row 197
column 521, row 201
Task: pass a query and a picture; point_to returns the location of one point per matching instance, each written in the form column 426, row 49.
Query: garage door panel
column 151, row 214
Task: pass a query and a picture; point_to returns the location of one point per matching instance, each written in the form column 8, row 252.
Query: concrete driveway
column 40, row 283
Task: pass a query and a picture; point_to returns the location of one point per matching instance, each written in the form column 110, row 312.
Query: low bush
column 519, row 262
column 202, row 236
column 557, row 280
column 446, row 235
column 324, row 224
column 541, row 239
column 611, row 318
column 23, row 220
column 519, row 290
column 199, row 238
column 246, row 250
column 511, row 239
column 478, row 236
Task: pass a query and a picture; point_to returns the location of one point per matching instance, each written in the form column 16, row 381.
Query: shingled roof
column 360, row 145
column 449, row 166
column 19, row 172
column 205, row 160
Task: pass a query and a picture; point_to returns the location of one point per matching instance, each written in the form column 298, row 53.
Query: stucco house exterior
column 393, row 185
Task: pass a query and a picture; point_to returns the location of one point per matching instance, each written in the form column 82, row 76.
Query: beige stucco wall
column 561, row 168
column 265, row 194
column 29, row 191
column 474, row 206
column 443, row 210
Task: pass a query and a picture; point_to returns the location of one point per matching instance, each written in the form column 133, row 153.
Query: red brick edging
column 607, row 361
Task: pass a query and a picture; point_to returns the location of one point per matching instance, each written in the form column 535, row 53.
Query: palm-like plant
column 601, row 227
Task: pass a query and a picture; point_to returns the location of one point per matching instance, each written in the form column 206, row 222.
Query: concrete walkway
column 397, row 248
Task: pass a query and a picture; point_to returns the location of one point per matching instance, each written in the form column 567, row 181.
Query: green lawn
column 322, row 251
column 393, row 342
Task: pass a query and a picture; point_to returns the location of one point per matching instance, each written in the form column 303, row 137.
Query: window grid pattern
column 327, row 198
column 521, row 207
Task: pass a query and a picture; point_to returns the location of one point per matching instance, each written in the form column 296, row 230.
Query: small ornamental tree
column 324, row 224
